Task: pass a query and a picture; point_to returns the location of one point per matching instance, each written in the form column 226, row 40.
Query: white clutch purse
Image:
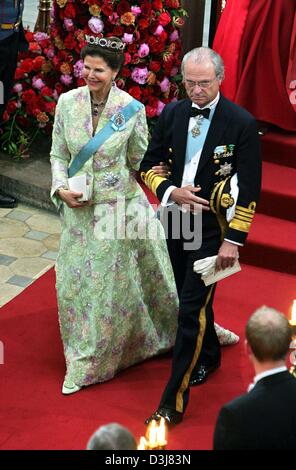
column 78, row 183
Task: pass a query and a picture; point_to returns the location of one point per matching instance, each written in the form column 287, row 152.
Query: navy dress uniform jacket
column 231, row 127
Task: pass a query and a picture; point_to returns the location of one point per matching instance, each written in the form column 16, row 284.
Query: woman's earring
column 113, row 82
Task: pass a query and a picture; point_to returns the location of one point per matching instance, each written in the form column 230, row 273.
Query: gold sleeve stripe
column 243, row 217
column 239, row 225
column 247, row 210
column 152, row 180
column 244, row 214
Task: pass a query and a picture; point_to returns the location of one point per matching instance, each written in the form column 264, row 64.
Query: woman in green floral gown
column 116, row 292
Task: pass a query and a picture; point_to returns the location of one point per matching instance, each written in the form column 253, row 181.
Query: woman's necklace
column 97, row 108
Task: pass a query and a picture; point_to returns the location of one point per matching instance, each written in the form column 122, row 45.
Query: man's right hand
column 71, row 198
column 186, row 197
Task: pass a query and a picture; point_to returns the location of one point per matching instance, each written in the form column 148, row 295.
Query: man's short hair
column 112, row 436
column 200, row 55
column 269, row 334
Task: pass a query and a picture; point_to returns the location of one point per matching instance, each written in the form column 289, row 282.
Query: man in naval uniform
column 12, row 40
column 210, row 142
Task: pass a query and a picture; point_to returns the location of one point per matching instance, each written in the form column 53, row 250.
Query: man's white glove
column 205, row 266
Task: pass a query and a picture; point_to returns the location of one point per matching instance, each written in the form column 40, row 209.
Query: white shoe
column 226, row 337
column 70, row 387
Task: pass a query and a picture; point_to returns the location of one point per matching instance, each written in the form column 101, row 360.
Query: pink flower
column 143, row 50
column 113, row 18
column 96, row 25
column 69, row 25
column 160, row 106
column 50, row 53
column 164, row 85
column 18, row 87
column 40, row 36
column 66, row 79
column 78, row 66
column 136, row 10
column 174, row 36
column 158, row 30
column 139, row 75
column 128, row 38
column 37, row 83
column 174, row 71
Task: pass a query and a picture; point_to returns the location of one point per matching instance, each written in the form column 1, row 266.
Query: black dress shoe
column 171, row 416
column 7, row 202
column 201, row 373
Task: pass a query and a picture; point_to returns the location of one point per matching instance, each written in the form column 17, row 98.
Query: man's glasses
column 201, row 84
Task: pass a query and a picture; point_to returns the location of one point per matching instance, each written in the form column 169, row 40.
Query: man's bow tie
column 196, row 112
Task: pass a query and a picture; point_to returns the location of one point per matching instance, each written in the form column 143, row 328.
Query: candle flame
column 152, row 434
column 143, row 444
column 155, row 436
column 161, row 434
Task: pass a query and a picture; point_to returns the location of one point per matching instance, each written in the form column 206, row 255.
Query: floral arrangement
column 151, row 31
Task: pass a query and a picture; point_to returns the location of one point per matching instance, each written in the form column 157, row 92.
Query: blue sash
column 116, row 123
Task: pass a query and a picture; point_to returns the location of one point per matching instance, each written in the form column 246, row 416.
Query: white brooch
column 110, row 179
column 118, row 121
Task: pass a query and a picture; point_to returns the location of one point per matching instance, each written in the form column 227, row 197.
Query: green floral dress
column 116, row 293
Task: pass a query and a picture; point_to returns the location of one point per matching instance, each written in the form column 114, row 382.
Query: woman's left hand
column 162, row 169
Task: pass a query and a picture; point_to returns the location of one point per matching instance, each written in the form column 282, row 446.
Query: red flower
column 164, row 18
column 70, row 42
column 11, row 107
column 151, row 111
column 125, row 72
column 50, row 107
column 135, row 91
column 34, row 47
column 157, row 4
column 117, row 31
column 107, row 9
column 123, row 7
column 46, row 91
column 172, row 3
column 127, row 58
column 154, row 66
column 37, row 63
column 19, row 74
column 144, row 23
column 28, row 96
column 70, row 11
column 26, row 65
column 146, row 8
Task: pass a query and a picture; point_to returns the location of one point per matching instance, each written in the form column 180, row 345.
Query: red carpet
column 34, row 413
column 272, row 239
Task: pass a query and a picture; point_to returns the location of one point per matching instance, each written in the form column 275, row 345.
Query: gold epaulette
column 152, row 180
column 243, row 217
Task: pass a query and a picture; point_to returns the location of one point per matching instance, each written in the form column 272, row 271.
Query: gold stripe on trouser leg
column 202, row 329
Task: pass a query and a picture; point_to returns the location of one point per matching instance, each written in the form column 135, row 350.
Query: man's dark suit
column 264, row 418
column 196, row 340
